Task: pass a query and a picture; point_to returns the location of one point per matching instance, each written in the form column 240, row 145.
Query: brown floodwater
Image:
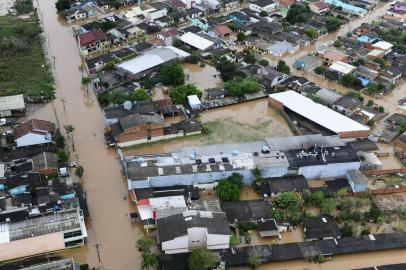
column 109, row 224
column 202, row 77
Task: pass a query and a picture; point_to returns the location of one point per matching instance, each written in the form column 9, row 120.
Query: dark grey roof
column 319, row 156
column 251, row 210
column 396, row 118
column 321, row 227
column 118, row 111
column 175, row 226
column 187, row 125
column 138, row 119
column 399, row 266
column 267, row 225
column 348, row 102
column 287, row 183
column 263, row 3
column 364, row 145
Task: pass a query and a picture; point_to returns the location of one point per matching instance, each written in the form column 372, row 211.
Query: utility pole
column 98, row 253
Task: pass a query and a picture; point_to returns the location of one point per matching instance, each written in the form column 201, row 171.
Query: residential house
column 332, row 55
column 365, row 75
column 179, row 4
column 372, row 65
column 268, row 228
column 239, row 17
column 12, row 106
column 168, row 36
column 347, row 7
column 284, row 5
column 201, row 23
column 263, row 6
column 137, row 128
column 192, row 230
column 34, row 132
column 328, row 96
column 319, row 7
column 347, row 104
column 371, row 55
column 197, row 41
column 93, row 41
column 274, row 77
column 164, row 22
column 357, row 181
column 321, row 228
column 246, row 211
column 383, row 46
column 75, row 14
column 276, row 185
column 221, row 31
column 215, row 93
column 103, row 5
column 391, row 73
column 368, row 38
column 266, row 30
column 307, row 63
column 279, row 48
column 342, row 68
column 193, row 13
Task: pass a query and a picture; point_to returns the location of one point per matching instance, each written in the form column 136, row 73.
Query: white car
column 3, row 122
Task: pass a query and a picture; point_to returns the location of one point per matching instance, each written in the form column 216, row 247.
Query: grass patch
column 23, row 66
column 393, row 180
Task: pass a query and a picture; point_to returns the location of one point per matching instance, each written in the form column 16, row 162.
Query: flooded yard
column 202, row 77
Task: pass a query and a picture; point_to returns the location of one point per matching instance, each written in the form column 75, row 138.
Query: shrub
column 320, row 70
column 179, row 94
column 264, row 62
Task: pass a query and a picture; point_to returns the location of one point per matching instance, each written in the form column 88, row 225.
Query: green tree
column 241, row 36
column 257, row 173
column 332, row 24
column 338, row 43
column 201, row 259
column 287, row 199
column 320, row 70
column 172, row 75
column 144, row 245
column 61, row 5
column 264, row 62
column 311, row 33
column 179, row 94
column 327, row 206
column 69, row 130
column 234, row 240
column 139, row 95
column 227, row 191
column 234, row 88
column 227, row 69
column 332, row 75
column 263, row 13
column 298, row 13
column 374, row 88
column 282, row 67
column 249, row 58
column 317, row 198
column 402, row 126
column 104, row 99
column 381, row 109
column 148, row 258
column 118, row 97
column 62, row 156
column 346, row 230
column 79, row 171
column 253, row 259
column 60, row 141
column 370, row 103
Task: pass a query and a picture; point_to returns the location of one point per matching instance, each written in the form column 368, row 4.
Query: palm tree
column 69, row 129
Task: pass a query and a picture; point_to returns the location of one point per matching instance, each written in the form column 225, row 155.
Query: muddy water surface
column 109, row 225
column 202, row 77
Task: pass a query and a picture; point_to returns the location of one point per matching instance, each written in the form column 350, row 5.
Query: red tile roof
column 34, row 125
column 90, row 37
column 178, row 4
column 286, row 3
column 321, row 5
column 222, row 30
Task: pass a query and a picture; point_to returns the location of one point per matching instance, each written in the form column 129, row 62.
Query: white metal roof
column 196, row 41
column 4, row 233
column 383, row 45
column 317, row 113
column 193, row 100
column 342, row 67
column 2, row 170
column 15, row 102
column 152, row 58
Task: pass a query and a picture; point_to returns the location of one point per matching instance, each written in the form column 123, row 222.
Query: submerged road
column 109, row 226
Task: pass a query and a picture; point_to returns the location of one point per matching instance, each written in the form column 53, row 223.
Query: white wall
column 197, row 237
column 218, row 241
column 328, row 171
column 177, row 245
column 31, row 139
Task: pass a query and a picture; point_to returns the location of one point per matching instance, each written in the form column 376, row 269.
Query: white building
column 263, row 5
column 10, row 105
column 196, row 41
column 161, row 207
column 342, row 68
column 34, row 132
column 43, row 234
column 194, row 102
column 383, row 46
column 193, row 230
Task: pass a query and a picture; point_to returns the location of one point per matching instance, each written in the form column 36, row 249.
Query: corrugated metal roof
column 196, row 41
column 15, row 102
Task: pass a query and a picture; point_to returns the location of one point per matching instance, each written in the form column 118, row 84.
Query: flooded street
column 109, row 224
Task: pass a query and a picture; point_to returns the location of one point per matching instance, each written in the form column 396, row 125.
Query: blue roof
column 346, row 7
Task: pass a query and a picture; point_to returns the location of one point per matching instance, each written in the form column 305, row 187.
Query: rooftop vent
column 212, row 160
column 199, row 162
column 324, row 220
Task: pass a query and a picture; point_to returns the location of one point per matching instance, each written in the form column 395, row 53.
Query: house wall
column 145, row 140
column 257, row 8
column 151, row 16
column 354, row 134
column 177, row 245
column 196, row 237
column 275, row 104
column 218, row 241
column 32, row 139
column 334, row 170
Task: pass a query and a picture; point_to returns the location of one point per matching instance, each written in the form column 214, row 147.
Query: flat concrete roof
column 317, row 113
column 196, row 41
column 15, row 102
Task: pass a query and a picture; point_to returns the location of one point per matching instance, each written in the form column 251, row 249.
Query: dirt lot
column 390, row 202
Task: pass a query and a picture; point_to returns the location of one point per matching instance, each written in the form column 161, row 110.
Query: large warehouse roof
column 317, row 113
column 151, row 58
column 196, row 41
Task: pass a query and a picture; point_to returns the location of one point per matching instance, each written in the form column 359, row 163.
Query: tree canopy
column 332, row 23
column 229, row 189
column 239, row 88
column 201, row 259
column 139, row 95
column 172, row 75
column 282, row 67
column 180, row 93
column 298, row 13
